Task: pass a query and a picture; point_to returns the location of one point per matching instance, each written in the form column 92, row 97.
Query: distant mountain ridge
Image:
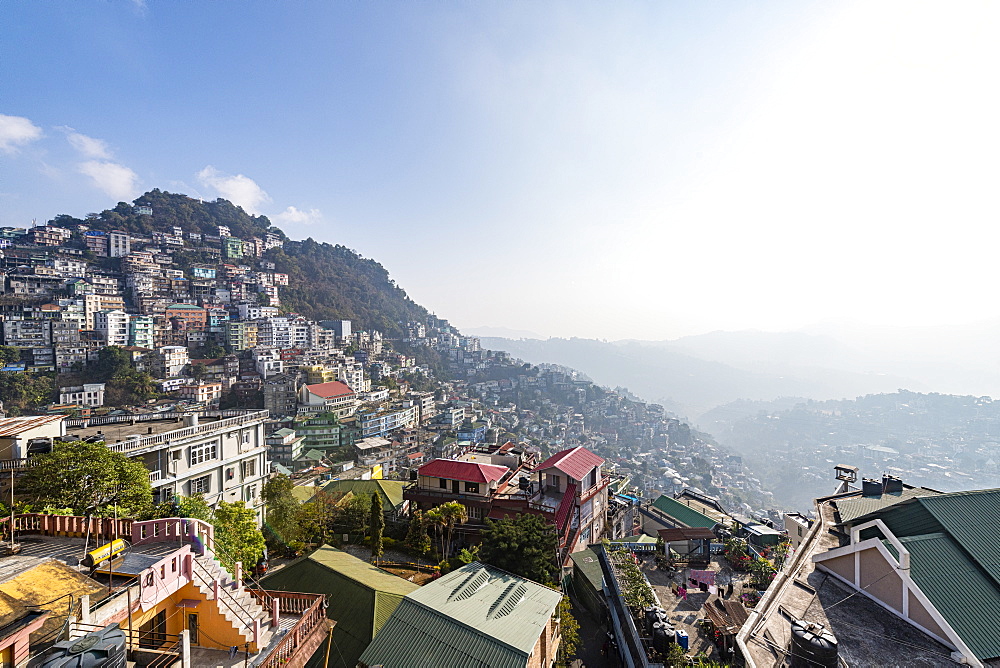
column 691, row 385
column 325, row 281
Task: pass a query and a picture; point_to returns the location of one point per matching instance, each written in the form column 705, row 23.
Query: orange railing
column 310, row 606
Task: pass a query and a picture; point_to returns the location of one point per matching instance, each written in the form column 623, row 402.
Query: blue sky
column 626, row 170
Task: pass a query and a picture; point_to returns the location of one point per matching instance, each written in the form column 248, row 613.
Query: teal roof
column 588, row 564
column 474, row 617
column 965, row 595
column 855, row 506
column 682, row 514
column 954, row 559
column 360, row 597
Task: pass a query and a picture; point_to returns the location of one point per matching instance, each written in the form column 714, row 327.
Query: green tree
column 88, row 477
column 417, row 539
column 9, row 355
column 22, row 392
column 281, row 519
column 354, row 514
column 237, row 537
column 570, row 629
column 525, row 546
column 434, row 519
column 377, row 520
column 453, row 513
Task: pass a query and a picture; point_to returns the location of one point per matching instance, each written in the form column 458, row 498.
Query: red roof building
column 331, row 390
column 334, row 397
column 453, row 469
column 576, row 462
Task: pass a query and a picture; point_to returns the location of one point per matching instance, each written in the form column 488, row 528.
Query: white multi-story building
column 88, row 394
column 351, row 373
column 256, row 312
column 119, row 244
column 171, row 361
column 113, row 326
column 223, row 460
column 268, row 362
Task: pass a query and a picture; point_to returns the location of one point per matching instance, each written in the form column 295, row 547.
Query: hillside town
column 320, row 491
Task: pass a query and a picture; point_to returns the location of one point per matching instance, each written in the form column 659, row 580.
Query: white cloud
column 89, row 147
column 293, row 215
column 116, row 180
column 240, row 190
column 16, row 131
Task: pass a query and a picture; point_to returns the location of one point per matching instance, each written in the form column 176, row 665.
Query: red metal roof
column 576, row 462
column 330, row 390
column 452, row 469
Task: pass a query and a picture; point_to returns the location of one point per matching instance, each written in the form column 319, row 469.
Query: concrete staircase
column 235, row 603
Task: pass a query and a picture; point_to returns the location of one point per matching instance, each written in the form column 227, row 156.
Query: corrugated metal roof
column 972, row 519
column 474, row 616
column 453, row 469
column 962, row 592
column 391, row 491
column 683, row 514
column 575, row 462
column 359, row 596
column 855, row 506
column 587, row 562
column 16, row 425
column 330, row 390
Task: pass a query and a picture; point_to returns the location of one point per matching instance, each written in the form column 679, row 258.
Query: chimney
column 891, row 484
column 871, row 487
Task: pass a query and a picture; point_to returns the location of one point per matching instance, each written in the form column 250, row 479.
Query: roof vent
column 891, row 484
column 871, row 487
column 511, row 596
column 470, row 585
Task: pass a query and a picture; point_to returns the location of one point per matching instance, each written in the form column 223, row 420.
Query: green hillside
column 325, row 281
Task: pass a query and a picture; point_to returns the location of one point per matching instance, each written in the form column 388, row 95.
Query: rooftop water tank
column 104, row 648
column 812, row 646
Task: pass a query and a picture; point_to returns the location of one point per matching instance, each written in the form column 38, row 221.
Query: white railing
column 155, row 476
column 187, row 432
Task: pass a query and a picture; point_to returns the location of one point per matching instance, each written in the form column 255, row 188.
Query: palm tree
column 435, row 519
column 453, row 513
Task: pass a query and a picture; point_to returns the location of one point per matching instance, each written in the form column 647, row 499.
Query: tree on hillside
column 525, row 546
column 454, row 513
column 570, row 631
column 9, row 355
column 377, row 526
column 237, row 537
column 21, row 392
column 88, row 477
column 354, row 514
column 281, row 521
column 417, row 539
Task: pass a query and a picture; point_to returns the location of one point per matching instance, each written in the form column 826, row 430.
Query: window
column 474, row 513
column 443, row 483
column 201, row 485
column 204, row 452
column 251, row 492
column 250, row 467
column 472, row 487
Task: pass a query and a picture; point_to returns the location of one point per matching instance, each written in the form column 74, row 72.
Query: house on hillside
column 474, row 616
column 333, row 397
column 361, row 597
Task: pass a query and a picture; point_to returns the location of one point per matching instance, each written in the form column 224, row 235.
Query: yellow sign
column 377, row 472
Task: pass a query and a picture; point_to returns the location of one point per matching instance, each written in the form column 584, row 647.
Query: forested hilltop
column 326, row 281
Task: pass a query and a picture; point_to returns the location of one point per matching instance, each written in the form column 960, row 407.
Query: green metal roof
column 590, row 566
column 303, row 493
column 474, row 617
column 853, row 507
column 965, row 595
column 359, row 596
column 683, row 514
column 391, row 491
column 955, row 559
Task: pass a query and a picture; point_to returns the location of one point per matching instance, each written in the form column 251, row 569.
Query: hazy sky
column 611, row 170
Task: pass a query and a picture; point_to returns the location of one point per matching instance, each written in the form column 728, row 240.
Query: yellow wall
column 215, row 631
